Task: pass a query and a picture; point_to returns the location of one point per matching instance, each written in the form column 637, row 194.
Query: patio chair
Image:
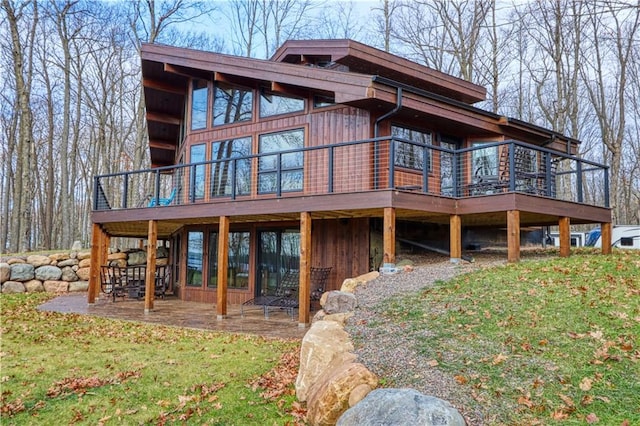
column 162, row 201
column 281, row 290
column 290, row 284
column 112, row 281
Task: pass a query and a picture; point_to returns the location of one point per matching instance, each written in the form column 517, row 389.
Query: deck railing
column 366, row 165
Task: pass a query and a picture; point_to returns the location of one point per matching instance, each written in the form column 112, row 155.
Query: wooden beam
column 305, row 270
column 94, row 274
column 163, row 87
column 455, row 238
column 513, row 236
column 160, row 144
column 389, row 235
column 163, row 118
column 188, row 72
column 223, row 267
column 605, row 237
column 565, row 236
column 150, row 279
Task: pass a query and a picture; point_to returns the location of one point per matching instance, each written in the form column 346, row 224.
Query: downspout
column 376, row 132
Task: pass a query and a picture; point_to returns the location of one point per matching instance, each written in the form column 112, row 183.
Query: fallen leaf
column 586, row 384
column 559, row 415
column 432, row 363
column 592, row 418
column 460, row 379
column 499, row 359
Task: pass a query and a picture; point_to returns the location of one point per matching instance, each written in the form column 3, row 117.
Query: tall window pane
column 212, row 280
column 231, row 105
column 199, row 94
column 238, row 259
column 412, row 155
column 291, row 164
column 485, row 161
column 198, row 155
column 194, row 258
column 223, row 172
column 272, row 104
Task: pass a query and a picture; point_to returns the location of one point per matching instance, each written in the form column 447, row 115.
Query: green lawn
column 74, row 369
column 539, row 342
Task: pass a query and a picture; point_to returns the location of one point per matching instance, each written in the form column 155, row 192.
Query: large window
column 484, row 160
column 198, row 155
column 238, row 260
column 290, row 164
column 412, row 155
column 199, row 94
column 231, row 105
column 223, row 173
column 194, row 258
column 272, row 104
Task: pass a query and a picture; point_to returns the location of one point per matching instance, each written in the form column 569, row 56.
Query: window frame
column 203, row 115
column 244, row 190
column 416, row 150
column 265, row 171
column 223, row 87
column 263, row 92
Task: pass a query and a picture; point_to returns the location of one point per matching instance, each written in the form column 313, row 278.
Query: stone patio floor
column 172, row 311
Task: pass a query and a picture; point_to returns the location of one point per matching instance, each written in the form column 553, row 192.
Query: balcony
column 370, row 165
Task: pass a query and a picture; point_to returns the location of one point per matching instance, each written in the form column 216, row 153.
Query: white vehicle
column 622, row 236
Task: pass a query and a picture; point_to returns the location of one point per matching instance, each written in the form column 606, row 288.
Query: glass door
column 447, row 169
column 278, row 252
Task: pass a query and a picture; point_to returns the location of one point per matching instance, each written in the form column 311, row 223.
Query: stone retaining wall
column 62, row 272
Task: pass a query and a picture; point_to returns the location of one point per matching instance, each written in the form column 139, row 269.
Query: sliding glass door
column 278, row 252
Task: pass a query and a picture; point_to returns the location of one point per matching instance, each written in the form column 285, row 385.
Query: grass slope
column 73, row 369
column 539, row 342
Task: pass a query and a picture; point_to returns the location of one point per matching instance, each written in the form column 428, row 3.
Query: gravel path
column 386, row 348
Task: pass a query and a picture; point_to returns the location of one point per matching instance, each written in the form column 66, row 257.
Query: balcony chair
column 112, row 281
column 163, row 201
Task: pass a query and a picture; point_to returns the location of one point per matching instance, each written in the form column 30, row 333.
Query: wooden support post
column 455, row 238
column 513, row 236
column 605, row 237
column 94, row 274
column 389, row 235
column 150, row 279
column 223, row 267
column 105, row 240
column 305, row 270
column 565, row 236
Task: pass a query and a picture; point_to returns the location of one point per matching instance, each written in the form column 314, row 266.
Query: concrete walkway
column 174, row 312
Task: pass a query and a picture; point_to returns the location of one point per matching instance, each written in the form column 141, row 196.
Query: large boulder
column 324, row 346
column 162, row 252
column 117, row 256
column 67, row 262
column 401, row 407
column 13, row 287
column 22, row 272
column 48, row 273
column 340, row 318
column 329, row 397
column 137, row 258
column 350, row 284
column 78, row 286
column 83, row 255
column 59, row 257
column 68, row 274
column 38, row 260
column 56, row 286
column 76, row 246
column 33, row 286
column 336, row 302
column 84, row 263
column 5, row 272
column 84, row 274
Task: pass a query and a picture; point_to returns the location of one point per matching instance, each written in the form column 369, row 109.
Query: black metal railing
column 484, row 169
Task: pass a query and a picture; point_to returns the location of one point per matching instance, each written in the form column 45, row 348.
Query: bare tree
column 24, row 16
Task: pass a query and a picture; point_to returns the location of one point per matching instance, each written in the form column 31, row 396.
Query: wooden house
column 302, row 160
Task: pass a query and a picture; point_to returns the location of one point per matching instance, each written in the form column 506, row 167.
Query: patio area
column 175, row 312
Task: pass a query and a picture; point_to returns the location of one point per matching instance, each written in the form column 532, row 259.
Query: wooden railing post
column 150, row 278
column 223, row 267
column 389, row 235
column 605, row 237
column 304, row 292
column 455, row 238
column 513, row 236
column 565, row 236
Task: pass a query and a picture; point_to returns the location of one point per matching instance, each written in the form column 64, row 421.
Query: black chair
column 265, row 300
column 112, row 281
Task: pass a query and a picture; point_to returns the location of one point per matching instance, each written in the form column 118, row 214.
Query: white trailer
column 622, row 236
